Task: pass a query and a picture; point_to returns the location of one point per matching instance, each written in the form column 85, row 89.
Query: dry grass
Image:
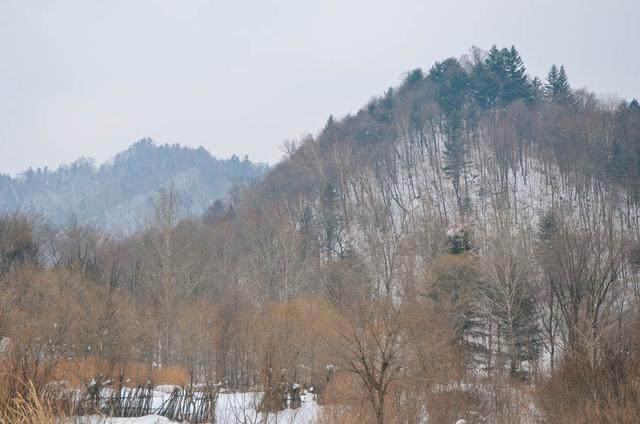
column 78, row 372
column 29, row 408
column 607, row 392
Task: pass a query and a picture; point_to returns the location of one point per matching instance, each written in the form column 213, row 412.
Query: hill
column 115, row 195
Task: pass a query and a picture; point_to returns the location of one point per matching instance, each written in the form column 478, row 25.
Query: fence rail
column 190, row 404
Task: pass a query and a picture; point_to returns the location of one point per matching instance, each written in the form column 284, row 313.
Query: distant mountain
column 116, row 194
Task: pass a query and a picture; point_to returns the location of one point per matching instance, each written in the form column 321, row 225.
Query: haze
column 88, row 78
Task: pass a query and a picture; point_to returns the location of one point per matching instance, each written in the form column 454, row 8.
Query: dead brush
column 30, row 408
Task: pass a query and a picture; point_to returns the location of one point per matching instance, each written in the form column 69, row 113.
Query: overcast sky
column 89, row 78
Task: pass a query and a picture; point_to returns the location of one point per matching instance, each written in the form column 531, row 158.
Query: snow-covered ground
column 149, row 419
column 232, row 408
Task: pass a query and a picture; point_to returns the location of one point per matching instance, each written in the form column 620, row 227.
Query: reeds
column 29, row 408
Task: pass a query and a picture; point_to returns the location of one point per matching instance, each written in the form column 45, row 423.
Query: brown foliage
column 604, row 392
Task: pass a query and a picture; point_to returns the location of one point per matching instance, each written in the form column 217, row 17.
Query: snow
column 149, row 419
column 232, row 408
column 235, row 408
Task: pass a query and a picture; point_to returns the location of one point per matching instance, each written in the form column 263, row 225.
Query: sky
column 91, row 77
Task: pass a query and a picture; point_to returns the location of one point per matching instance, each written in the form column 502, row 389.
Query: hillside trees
column 507, row 298
column 547, row 302
column 394, row 351
column 584, row 263
column 452, row 84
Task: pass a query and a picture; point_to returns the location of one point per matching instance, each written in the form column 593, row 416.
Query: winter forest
column 463, row 249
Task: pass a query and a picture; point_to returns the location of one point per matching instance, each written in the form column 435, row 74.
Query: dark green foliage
column 515, row 85
column 547, row 228
column 453, row 290
column 557, row 87
column 452, row 86
column 460, row 240
column 537, row 89
column 413, row 77
column 497, row 80
column 634, row 255
column 214, row 213
column 334, row 244
column 330, row 123
column 381, row 108
column 486, row 86
column 623, row 159
column 525, row 330
column 501, row 79
column 308, row 241
column 455, row 162
column 452, row 90
column 514, row 310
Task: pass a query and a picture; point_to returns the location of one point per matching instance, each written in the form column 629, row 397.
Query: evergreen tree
column 557, row 87
column 563, row 83
column 516, row 85
column 501, row 79
column 634, row 105
column 330, row 123
column 510, row 302
column 452, row 91
column 214, row 213
column 536, row 89
column 459, row 240
column 485, row 86
column 413, row 77
column 552, row 77
column 492, row 76
column 495, row 61
column 525, row 326
column 333, row 221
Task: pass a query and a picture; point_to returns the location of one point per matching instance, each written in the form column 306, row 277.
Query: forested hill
column 483, row 103
column 115, row 195
column 473, row 144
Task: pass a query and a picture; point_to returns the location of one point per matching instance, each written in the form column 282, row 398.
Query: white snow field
column 232, row 408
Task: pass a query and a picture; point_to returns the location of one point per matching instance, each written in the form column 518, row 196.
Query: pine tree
column 509, row 302
column 413, row 77
column 634, row 105
column 490, row 78
column 214, row 213
column 330, row 123
column 552, row 77
column 515, row 83
column 452, row 90
column 495, row 61
column 563, row 87
column 485, row 86
column 536, row 89
column 557, row 87
column 501, row 79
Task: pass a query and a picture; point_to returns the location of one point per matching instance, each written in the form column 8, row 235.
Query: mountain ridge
column 114, row 195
